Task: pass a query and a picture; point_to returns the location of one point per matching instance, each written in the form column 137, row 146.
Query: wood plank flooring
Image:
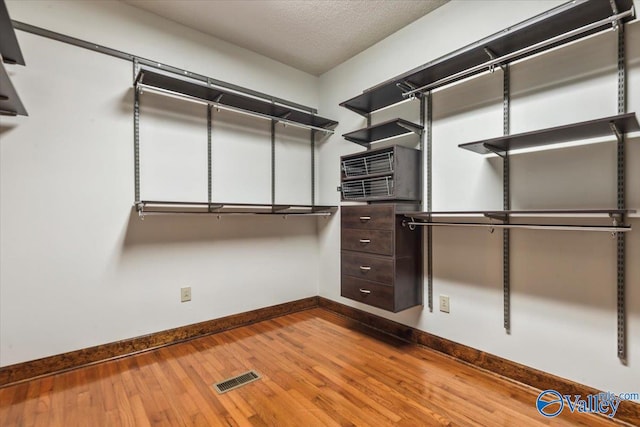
column 318, row 369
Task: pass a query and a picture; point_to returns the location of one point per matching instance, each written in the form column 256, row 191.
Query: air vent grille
column 235, row 382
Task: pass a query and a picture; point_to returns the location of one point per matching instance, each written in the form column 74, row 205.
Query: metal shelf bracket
column 410, row 128
column 495, row 150
column 492, row 55
column 616, row 131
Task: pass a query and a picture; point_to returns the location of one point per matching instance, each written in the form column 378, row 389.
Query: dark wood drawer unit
column 368, row 267
column 367, row 292
column 381, row 260
column 371, row 241
column 379, row 217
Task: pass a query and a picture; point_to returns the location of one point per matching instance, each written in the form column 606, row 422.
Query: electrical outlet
column 444, row 303
column 185, row 294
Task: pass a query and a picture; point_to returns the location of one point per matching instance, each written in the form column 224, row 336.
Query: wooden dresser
column 381, row 259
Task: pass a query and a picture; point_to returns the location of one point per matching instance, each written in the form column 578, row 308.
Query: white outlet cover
column 444, row 303
column 185, row 294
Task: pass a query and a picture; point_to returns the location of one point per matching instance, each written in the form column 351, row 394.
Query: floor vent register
column 235, row 382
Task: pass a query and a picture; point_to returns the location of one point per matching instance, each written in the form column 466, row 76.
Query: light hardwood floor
column 317, row 368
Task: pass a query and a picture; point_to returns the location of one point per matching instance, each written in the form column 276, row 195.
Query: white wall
column 78, row 268
column 563, row 303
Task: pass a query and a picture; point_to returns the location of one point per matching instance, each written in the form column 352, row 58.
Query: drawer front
column 368, row 267
column 370, row 241
column 381, row 217
column 367, row 292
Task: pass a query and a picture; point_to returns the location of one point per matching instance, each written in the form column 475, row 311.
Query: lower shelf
column 557, row 227
column 414, row 219
column 145, row 208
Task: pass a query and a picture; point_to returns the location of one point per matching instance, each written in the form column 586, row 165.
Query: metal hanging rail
column 147, row 207
column 558, row 227
column 522, row 52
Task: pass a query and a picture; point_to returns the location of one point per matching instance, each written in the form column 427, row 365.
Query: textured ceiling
column 310, row 35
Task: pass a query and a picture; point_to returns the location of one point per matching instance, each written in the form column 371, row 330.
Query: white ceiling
column 310, row 35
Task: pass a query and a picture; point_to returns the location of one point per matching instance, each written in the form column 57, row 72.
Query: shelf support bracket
column 495, row 150
column 410, row 128
column 406, row 86
column 492, row 56
column 616, row 131
column 617, row 220
column 140, row 209
column 285, row 115
column 358, row 141
column 497, row 216
column 614, row 8
column 357, row 110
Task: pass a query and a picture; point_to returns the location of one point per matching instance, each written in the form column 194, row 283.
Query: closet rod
column 142, row 214
column 503, row 59
column 171, row 93
column 611, row 229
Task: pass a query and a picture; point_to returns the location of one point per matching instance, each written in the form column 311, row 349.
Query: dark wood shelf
column 529, row 212
column 149, row 207
column 556, row 227
column 590, row 129
column 427, row 219
column 543, row 27
column 152, row 79
column 10, row 104
column 380, row 131
column 9, row 47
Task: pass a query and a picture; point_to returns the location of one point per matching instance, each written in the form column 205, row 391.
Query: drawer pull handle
column 365, row 240
column 365, row 218
column 365, row 268
column 365, row 291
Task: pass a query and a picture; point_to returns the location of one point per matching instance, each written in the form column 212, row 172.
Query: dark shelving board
column 12, row 105
column 9, row 48
column 557, row 21
column 572, row 132
column 531, row 212
column 148, row 206
column 388, row 129
column 214, row 95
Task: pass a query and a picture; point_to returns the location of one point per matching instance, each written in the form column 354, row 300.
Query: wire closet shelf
column 368, row 165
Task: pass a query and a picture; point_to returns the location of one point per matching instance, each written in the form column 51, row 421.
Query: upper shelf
column 9, row 48
column 388, row 129
column 231, row 100
column 542, row 32
column 590, row 129
column 10, row 104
